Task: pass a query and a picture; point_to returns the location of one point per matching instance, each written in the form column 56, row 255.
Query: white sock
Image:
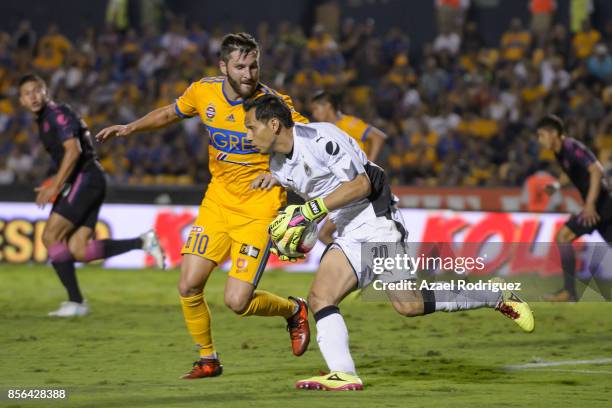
column 454, row 300
column 333, row 340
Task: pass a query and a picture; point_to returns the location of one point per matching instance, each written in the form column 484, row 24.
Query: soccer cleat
column 334, row 381
column 298, row 327
column 516, row 309
column 204, row 367
column 562, row 295
column 150, row 244
column 71, row 309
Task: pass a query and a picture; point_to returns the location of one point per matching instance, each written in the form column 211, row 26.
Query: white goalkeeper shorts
column 367, row 246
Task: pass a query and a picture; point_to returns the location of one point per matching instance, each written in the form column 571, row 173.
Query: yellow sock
column 197, row 319
column 268, row 304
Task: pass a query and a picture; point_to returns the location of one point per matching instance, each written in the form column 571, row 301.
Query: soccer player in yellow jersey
column 233, row 219
column 326, row 107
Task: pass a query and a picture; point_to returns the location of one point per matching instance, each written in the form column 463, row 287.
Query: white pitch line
column 561, row 370
column 558, row 363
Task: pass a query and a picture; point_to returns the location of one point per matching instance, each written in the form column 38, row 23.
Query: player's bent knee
column 237, row 303
column 408, row 309
column 564, row 236
column 187, row 289
column 50, row 237
column 78, row 250
column 317, row 301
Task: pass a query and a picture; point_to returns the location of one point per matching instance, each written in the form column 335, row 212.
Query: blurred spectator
column 447, row 41
column 554, row 74
column 433, row 80
column 515, row 42
column 20, row 163
column 580, row 11
column 472, row 40
column 541, row 18
column 584, row 41
column 117, row 14
column 450, row 14
column 7, row 175
column 600, row 63
column 24, row 38
column 56, row 42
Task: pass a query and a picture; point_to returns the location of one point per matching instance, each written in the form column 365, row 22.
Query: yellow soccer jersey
column 233, row 161
column 355, row 128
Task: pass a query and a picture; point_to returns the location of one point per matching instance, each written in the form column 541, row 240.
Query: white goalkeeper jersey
column 324, row 157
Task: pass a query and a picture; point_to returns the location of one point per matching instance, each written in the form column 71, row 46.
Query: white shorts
column 379, row 238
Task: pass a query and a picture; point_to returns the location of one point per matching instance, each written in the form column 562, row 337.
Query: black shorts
column 604, row 227
column 80, row 201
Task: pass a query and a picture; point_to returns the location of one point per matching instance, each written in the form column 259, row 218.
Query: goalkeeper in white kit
column 332, row 174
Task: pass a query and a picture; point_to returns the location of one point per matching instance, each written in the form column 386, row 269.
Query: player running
column 232, row 219
column 77, row 191
column 586, row 173
column 326, row 107
column 327, row 168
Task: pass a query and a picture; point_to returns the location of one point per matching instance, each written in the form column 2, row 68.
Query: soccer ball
column 308, row 241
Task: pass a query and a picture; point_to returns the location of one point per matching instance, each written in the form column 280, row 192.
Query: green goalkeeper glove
column 287, row 228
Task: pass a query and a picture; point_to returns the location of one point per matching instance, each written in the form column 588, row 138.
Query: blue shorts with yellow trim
column 217, row 233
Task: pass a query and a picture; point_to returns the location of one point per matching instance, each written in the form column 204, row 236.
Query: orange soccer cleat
column 204, row 367
column 298, row 328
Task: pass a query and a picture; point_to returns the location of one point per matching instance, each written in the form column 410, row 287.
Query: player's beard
column 236, row 87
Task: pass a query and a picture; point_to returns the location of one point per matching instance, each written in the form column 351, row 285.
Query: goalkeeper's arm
column 348, row 192
column 287, row 228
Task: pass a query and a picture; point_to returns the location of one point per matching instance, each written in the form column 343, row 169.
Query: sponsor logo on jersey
column 241, row 265
column 230, row 118
column 61, row 119
column 230, row 141
column 249, row 250
column 211, row 111
column 332, row 148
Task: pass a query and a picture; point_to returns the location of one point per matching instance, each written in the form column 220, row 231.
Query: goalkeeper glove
column 287, row 228
column 286, row 258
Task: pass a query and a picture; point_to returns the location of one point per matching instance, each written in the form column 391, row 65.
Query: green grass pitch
column 131, row 350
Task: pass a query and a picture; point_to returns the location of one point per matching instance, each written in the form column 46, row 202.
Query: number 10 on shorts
column 200, row 243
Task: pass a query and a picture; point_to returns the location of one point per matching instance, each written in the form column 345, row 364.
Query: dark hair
column 269, row 106
column 551, row 122
column 243, row 42
column 30, row 78
column 325, row 96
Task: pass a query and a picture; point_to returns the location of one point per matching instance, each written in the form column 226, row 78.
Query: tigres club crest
column 211, row 111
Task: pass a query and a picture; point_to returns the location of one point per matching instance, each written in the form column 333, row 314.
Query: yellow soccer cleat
column 516, row 309
column 334, row 381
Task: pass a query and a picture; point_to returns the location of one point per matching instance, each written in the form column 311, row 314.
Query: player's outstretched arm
column 153, row 120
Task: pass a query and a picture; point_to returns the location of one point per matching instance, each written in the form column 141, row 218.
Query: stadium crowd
column 458, row 114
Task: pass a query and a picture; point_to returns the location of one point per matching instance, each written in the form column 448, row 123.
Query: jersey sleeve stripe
column 365, row 133
column 179, row 113
column 212, row 79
